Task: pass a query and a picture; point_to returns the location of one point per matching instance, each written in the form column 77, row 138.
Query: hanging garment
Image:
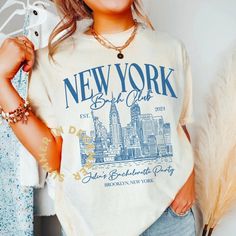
column 2, row 37
column 16, row 201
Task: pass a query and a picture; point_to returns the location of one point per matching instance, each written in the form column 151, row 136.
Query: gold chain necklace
column 106, row 43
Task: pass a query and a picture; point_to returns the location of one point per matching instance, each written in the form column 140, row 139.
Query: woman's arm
column 34, row 135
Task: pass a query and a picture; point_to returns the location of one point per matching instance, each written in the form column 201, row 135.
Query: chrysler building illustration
column 115, row 127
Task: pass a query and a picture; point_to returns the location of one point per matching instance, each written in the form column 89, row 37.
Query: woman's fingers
column 186, row 208
column 181, row 207
column 177, row 206
column 28, row 42
column 16, row 52
column 29, row 62
column 28, row 47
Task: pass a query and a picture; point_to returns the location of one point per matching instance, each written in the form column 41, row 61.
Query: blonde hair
column 75, row 10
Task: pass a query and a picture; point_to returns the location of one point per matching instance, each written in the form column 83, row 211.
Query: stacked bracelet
column 20, row 113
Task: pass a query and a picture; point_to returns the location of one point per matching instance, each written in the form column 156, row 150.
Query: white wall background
column 208, row 29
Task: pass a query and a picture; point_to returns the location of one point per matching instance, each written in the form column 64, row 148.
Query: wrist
column 9, row 97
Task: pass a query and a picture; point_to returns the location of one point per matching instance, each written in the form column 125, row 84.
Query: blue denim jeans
column 172, row 224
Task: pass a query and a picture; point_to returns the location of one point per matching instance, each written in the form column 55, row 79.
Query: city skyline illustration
column 145, row 137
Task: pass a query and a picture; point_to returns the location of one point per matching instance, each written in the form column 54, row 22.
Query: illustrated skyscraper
column 115, row 128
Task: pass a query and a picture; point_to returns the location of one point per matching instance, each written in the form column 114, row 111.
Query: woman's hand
column 185, row 198
column 14, row 53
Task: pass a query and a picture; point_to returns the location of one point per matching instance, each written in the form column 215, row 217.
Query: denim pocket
column 179, row 215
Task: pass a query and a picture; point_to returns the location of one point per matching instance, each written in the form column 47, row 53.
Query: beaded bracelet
column 20, row 113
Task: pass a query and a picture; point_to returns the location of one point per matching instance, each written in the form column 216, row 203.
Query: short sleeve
column 38, row 95
column 187, row 108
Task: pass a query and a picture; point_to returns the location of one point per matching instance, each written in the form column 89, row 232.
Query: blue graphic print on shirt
column 146, row 137
column 149, row 78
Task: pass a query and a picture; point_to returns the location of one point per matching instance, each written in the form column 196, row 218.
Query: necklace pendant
column 120, row 55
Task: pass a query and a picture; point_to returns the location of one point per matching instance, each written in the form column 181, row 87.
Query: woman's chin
column 115, row 7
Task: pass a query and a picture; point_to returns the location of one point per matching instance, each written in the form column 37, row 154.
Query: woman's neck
column 112, row 23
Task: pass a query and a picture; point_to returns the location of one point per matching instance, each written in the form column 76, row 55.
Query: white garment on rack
column 2, row 37
column 44, row 30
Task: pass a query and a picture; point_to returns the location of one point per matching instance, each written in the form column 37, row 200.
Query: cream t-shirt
column 124, row 155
